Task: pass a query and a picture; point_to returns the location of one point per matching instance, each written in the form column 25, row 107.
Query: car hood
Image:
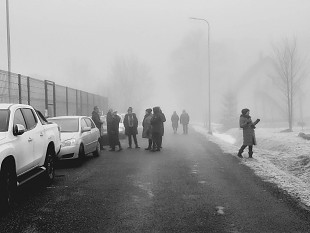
column 65, row 136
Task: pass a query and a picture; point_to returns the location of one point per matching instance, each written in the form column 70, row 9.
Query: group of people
column 184, row 120
column 153, row 128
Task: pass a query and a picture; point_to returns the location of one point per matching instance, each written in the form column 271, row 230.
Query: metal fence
column 50, row 98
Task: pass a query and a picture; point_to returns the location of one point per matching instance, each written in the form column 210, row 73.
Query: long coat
column 248, row 130
column 184, row 118
column 147, row 127
column 131, row 130
column 175, row 120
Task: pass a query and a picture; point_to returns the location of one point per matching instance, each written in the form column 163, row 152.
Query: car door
column 37, row 134
column 85, row 136
column 24, row 158
column 94, row 134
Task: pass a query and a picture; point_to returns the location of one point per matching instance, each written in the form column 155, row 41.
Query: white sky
column 50, row 38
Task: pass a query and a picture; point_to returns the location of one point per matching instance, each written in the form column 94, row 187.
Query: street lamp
column 8, row 48
column 209, row 78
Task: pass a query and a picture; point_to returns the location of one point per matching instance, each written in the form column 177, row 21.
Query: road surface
column 190, row 186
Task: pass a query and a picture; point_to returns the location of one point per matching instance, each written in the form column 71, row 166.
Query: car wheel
column 81, row 155
column 97, row 151
column 49, row 165
column 8, row 185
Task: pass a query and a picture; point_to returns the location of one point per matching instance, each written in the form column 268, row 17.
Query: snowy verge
column 279, row 158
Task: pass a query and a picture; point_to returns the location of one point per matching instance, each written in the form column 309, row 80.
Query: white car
column 79, row 137
column 28, row 147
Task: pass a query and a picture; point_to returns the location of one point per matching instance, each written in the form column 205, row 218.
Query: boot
column 240, row 153
column 250, row 154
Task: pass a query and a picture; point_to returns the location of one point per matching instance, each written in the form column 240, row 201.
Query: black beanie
column 244, row 111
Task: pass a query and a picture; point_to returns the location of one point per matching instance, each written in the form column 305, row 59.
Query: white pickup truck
column 28, row 147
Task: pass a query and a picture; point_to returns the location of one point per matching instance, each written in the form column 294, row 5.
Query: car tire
column 81, row 155
column 8, row 186
column 49, row 165
column 96, row 153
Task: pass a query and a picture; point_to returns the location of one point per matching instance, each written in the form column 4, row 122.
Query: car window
column 83, row 123
column 41, row 118
column 67, row 125
column 19, row 118
column 31, row 120
column 90, row 123
column 4, row 120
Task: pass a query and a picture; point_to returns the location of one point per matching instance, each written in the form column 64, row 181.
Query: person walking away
column 114, row 132
column 157, row 128
column 131, row 127
column 147, row 127
column 184, row 120
column 96, row 119
column 175, row 122
column 248, row 132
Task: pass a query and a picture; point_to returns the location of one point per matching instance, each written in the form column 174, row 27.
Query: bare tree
column 130, row 83
column 289, row 74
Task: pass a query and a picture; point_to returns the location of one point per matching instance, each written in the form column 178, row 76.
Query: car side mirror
column 18, row 129
column 86, row 129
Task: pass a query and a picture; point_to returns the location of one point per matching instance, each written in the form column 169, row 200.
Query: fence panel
column 37, row 94
column 48, row 97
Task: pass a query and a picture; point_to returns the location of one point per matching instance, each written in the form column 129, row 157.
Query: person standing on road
column 248, row 132
column 163, row 118
column 131, row 127
column 147, row 127
column 96, row 119
column 114, row 132
column 157, row 128
column 175, row 122
column 109, row 124
column 184, row 120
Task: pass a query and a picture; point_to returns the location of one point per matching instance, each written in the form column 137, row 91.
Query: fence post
column 67, row 105
column 28, row 90
column 54, row 98
column 46, row 97
column 19, row 89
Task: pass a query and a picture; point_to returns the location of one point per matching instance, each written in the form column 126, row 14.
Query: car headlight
column 69, row 142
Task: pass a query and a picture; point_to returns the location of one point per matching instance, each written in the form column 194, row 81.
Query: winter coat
column 131, row 130
column 248, row 130
column 96, row 119
column 147, row 127
column 175, row 120
column 184, row 118
column 114, row 124
column 157, row 121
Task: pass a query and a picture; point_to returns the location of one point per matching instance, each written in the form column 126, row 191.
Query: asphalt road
column 190, row 186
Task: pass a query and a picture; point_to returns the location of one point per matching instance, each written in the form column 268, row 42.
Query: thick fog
column 144, row 53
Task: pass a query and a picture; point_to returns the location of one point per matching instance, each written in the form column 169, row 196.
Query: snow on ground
column 280, row 158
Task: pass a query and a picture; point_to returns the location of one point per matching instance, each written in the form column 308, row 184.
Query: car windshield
column 4, row 115
column 67, row 124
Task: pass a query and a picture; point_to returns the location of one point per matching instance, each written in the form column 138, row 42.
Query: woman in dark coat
column 157, row 128
column 147, row 127
column 248, row 132
column 114, row 131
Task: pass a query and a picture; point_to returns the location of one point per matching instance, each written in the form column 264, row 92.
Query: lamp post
column 209, row 72
column 8, row 48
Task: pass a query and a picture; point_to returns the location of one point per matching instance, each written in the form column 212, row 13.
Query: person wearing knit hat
column 248, row 127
